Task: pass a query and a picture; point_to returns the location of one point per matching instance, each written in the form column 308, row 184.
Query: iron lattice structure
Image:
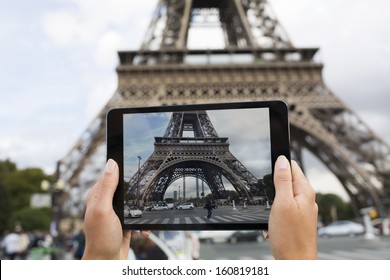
column 258, row 62
column 205, row 156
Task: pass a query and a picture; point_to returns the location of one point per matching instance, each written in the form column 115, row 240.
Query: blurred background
column 57, row 72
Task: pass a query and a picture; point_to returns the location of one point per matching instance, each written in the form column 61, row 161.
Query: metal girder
column 260, row 64
column 176, row 156
column 245, row 23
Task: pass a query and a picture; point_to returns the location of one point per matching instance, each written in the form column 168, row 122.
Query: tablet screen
column 197, row 168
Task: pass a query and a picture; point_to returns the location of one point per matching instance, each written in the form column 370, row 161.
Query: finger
column 145, row 233
column 301, row 185
column 283, row 179
column 108, row 184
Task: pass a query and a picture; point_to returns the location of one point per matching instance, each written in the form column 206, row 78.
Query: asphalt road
column 252, row 214
column 340, row 248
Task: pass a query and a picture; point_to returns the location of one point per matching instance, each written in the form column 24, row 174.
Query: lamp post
column 55, row 191
column 139, row 176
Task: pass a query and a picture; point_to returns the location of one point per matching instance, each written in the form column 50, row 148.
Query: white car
column 341, row 228
column 215, row 236
column 159, row 208
column 186, row 206
column 132, row 212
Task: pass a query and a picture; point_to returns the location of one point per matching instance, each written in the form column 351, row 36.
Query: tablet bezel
column 280, row 145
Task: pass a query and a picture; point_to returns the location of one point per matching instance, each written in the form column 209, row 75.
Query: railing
column 192, row 140
column 216, row 56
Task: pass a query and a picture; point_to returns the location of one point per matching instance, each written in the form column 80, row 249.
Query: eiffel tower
column 205, row 156
column 258, row 62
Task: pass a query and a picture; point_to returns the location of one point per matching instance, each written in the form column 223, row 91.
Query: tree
column 16, row 188
column 6, row 167
column 31, row 218
column 326, row 202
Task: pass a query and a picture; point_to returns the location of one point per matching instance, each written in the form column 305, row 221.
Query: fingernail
column 110, row 166
column 282, row 162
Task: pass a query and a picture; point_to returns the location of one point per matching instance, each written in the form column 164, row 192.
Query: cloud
column 86, row 22
column 62, row 27
column 323, row 181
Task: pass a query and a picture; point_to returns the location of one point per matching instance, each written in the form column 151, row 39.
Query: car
column 341, row 228
column 159, row 208
column 186, row 206
column 231, row 236
column 246, row 235
column 132, row 212
column 214, row 236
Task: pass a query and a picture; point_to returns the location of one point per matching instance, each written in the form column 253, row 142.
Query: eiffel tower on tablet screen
column 257, row 61
column 205, row 156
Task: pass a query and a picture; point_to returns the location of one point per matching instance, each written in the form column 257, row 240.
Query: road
column 252, row 214
column 340, row 248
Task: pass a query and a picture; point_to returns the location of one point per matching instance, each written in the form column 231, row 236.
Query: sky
column 58, row 59
column 249, row 141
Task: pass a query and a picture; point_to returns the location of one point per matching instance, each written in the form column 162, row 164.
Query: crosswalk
column 235, row 218
column 357, row 254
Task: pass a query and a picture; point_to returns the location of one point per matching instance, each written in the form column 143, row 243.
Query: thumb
column 108, row 184
column 283, row 179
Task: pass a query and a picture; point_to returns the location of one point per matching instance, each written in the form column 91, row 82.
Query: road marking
column 245, row 218
column 154, row 221
column 383, row 252
column 235, row 218
column 223, row 219
column 359, row 254
column 199, row 220
column 144, row 221
column 326, row 256
column 176, row 220
column 165, row 221
column 188, row 220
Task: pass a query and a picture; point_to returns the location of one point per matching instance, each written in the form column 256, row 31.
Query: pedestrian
column 209, row 208
column 24, row 244
column 79, row 240
column 10, row 244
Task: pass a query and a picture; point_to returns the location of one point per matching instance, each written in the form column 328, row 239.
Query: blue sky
column 247, row 131
column 58, row 59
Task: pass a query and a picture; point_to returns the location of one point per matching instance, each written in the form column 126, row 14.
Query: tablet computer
column 197, row 167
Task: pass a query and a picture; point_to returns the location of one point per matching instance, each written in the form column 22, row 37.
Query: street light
column 56, row 191
column 139, row 176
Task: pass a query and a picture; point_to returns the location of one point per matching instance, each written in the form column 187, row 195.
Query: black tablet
column 197, row 167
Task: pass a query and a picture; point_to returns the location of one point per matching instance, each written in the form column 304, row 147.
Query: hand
column 293, row 217
column 105, row 238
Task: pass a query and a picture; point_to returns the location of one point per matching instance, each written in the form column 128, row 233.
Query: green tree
column 326, row 202
column 16, row 188
column 233, row 195
column 21, row 184
column 31, row 218
column 6, row 168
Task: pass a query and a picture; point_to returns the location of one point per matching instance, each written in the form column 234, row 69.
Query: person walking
column 10, row 244
column 209, row 208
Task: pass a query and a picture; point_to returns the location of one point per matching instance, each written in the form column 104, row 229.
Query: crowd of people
column 294, row 210
column 19, row 244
